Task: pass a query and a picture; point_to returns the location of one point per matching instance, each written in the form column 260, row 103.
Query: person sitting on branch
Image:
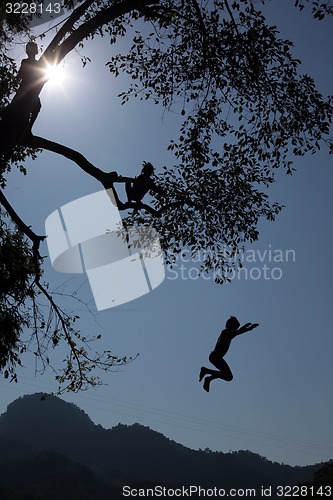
column 137, row 188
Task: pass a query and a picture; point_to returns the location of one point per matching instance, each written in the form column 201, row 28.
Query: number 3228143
column 304, row 491
column 33, row 8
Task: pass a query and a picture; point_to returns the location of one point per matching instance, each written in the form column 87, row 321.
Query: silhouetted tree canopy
column 247, row 111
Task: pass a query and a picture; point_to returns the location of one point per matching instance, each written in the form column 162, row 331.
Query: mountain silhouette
column 58, row 439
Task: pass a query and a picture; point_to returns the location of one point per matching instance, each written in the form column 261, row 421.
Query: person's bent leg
column 205, row 371
column 207, row 382
column 128, row 189
column 224, row 369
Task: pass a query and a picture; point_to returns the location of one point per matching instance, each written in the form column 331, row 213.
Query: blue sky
column 280, row 401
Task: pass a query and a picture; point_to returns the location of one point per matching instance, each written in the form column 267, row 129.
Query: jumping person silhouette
column 232, row 329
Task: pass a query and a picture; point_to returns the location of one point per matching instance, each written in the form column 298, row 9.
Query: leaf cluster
column 247, row 111
column 32, row 320
column 17, row 276
column 319, row 9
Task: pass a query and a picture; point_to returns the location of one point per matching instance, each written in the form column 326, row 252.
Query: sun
column 55, row 74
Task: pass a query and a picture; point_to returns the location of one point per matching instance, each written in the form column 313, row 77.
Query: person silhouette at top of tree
column 31, row 74
column 30, row 71
column 140, row 185
column 232, row 329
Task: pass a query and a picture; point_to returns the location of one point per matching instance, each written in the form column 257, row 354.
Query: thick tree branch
column 66, row 28
column 102, row 18
column 107, row 179
column 56, row 51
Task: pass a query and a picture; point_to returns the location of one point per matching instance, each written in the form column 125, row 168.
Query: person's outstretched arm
column 245, row 328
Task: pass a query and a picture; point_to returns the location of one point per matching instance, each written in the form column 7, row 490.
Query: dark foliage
column 247, row 111
column 17, row 275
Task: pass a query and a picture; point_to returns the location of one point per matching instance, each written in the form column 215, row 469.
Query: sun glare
column 55, row 74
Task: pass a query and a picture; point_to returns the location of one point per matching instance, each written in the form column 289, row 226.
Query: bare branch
column 107, row 179
column 62, row 319
column 78, row 158
column 18, row 221
column 102, row 18
column 139, row 205
column 66, row 28
column 35, row 238
column 226, row 3
column 200, row 18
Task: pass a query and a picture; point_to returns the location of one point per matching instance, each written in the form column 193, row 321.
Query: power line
column 203, row 425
